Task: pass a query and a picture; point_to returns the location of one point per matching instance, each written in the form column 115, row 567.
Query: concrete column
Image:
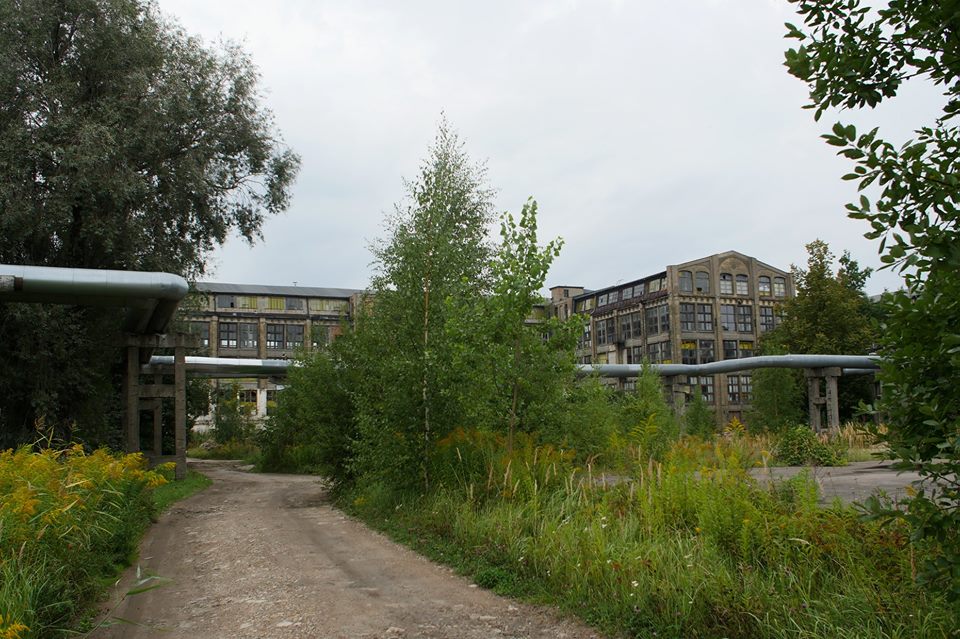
column 813, row 399
column 832, row 399
column 132, row 387
column 180, row 407
column 158, row 420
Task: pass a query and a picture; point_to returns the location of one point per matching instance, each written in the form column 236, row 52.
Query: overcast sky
column 649, row 132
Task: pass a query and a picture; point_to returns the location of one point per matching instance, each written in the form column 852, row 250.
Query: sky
column 649, row 132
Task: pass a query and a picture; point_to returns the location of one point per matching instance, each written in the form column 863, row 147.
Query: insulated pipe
column 742, row 364
column 222, row 367
column 151, row 297
column 226, row 367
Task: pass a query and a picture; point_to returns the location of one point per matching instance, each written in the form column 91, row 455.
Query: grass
column 167, row 494
column 234, row 449
column 688, row 547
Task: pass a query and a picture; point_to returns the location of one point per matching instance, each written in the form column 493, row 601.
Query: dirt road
column 267, row 556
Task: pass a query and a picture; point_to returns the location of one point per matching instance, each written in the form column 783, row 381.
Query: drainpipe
column 151, row 297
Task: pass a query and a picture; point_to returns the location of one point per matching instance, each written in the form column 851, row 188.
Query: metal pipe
column 151, row 297
column 734, row 365
column 226, row 367
column 222, row 367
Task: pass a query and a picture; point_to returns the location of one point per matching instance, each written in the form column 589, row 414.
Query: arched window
column 763, row 284
column 726, row 284
column 779, row 287
column 743, row 285
column 686, row 282
column 703, row 282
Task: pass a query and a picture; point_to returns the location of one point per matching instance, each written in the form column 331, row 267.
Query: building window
column 763, row 284
column 729, row 349
column 226, row 301
column 275, row 336
column 636, row 320
column 638, row 289
column 703, row 282
column 294, row 336
column 626, row 328
column 726, row 284
column 688, row 351
column 706, row 351
column 247, row 302
column 200, row 330
column 686, row 282
column 635, row 355
column 705, row 383
column 743, row 285
column 586, row 359
column 659, row 353
column 654, row 285
column 735, row 349
column 227, row 332
column 248, row 335
column 704, row 317
column 613, row 297
column 779, row 287
column 566, row 292
column 651, row 316
column 744, row 319
column 664, row 318
column 766, row 319
column 739, row 389
column 627, row 293
column 247, row 395
column 294, row 303
column 275, row 303
column 688, row 317
column 606, row 331
column 727, row 317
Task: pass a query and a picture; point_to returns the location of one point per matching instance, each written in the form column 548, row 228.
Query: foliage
column 67, row 518
column 830, row 315
column 688, row 548
column 800, row 446
column 778, row 396
column 437, row 251
column 853, row 55
column 313, row 425
column 649, row 420
column 232, row 420
column 698, row 418
column 517, row 371
column 124, row 144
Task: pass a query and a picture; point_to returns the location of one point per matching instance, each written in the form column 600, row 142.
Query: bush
column 67, row 518
column 799, row 446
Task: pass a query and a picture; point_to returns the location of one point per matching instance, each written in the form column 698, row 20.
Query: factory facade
column 709, row 309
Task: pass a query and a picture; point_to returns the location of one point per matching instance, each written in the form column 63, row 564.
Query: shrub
column 67, row 518
column 799, row 446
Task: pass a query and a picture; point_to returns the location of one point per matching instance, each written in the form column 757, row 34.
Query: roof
column 267, row 289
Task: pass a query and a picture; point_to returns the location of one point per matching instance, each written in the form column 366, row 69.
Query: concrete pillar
column 158, row 420
column 813, row 399
column 132, row 388
column 180, row 407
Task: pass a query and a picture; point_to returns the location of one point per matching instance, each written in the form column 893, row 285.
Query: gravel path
column 265, row 556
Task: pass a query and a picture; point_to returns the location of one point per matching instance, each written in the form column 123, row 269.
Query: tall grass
column 687, row 547
column 66, row 519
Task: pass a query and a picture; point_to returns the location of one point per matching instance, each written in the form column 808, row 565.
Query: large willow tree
column 124, row 144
